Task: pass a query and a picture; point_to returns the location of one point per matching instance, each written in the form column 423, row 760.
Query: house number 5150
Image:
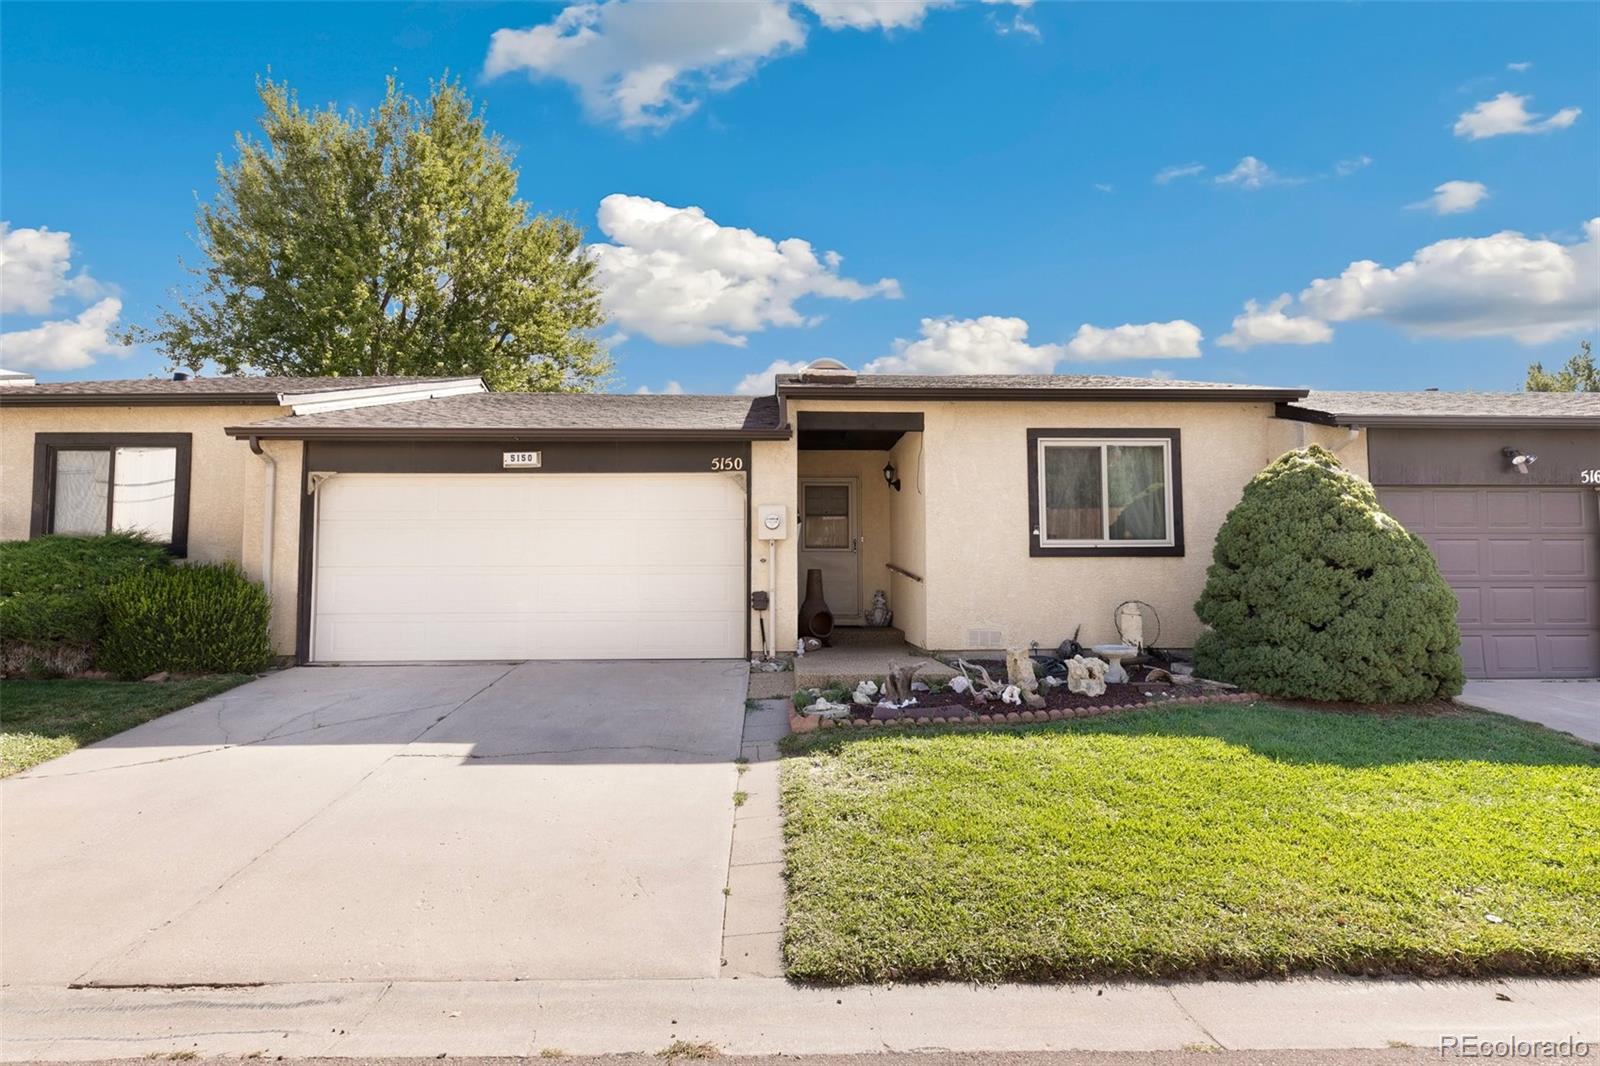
column 727, row 462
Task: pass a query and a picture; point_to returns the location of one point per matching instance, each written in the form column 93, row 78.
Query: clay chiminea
column 815, row 618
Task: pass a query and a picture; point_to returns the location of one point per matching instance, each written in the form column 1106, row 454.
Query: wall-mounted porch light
column 890, row 475
column 1519, row 459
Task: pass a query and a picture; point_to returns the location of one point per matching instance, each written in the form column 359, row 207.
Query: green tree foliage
column 390, row 243
column 1579, row 375
column 208, row 619
column 1314, row 592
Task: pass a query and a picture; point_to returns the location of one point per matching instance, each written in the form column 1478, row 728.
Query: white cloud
column 873, row 14
column 761, row 382
column 1105, row 186
column 671, row 388
column 34, row 264
column 679, row 277
column 1166, row 175
column 1346, row 167
column 69, row 344
column 1506, row 285
column 1269, row 325
column 1177, row 339
column 1519, row 67
column 1252, row 173
column 989, row 344
column 644, row 64
column 1454, row 197
column 648, row 64
column 1508, row 113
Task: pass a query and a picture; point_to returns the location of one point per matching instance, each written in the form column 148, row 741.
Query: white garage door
column 420, row 567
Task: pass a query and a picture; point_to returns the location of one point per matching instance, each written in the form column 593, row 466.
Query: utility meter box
column 772, row 522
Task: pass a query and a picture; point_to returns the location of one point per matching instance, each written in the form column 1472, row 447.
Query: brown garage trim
column 469, row 457
column 1461, row 456
column 46, row 445
column 1034, row 518
column 527, row 435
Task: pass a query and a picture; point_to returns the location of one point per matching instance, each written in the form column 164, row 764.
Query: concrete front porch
column 863, row 654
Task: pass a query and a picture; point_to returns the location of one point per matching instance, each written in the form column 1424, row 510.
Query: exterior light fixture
column 890, row 475
column 1519, row 459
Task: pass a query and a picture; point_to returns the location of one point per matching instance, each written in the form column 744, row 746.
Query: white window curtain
column 80, row 492
column 145, row 492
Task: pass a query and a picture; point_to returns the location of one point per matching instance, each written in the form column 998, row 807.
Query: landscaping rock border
column 800, row 723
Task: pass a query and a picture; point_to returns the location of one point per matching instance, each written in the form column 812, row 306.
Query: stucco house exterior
column 416, row 520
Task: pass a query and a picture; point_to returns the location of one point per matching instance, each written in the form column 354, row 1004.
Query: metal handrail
column 904, row 572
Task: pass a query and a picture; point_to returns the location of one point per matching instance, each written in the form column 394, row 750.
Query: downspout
column 268, row 512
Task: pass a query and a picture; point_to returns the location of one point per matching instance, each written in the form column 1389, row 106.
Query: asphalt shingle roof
column 234, row 389
column 1422, row 407
column 1033, row 382
column 506, row 413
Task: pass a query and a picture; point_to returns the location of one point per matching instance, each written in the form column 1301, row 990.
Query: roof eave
column 125, row 399
column 633, row 434
column 871, row 392
column 1398, row 421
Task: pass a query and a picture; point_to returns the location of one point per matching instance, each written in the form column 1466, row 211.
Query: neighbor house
column 429, row 520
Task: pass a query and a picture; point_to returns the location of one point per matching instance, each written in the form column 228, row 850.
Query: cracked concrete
column 569, row 820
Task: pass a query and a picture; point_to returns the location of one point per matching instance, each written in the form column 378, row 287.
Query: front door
column 829, row 542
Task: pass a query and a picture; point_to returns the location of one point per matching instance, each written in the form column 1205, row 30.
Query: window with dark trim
column 88, row 484
column 1104, row 492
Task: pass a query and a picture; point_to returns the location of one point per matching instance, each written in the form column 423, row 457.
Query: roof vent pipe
column 180, row 375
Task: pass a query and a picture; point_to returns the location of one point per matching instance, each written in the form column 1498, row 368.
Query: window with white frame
column 1104, row 492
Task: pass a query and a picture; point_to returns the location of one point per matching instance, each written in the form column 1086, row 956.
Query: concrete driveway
column 484, row 821
column 1570, row 706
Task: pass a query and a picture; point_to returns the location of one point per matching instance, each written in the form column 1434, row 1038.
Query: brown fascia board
column 144, row 399
column 1398, row 421
column 633, row 434
column 935, row 392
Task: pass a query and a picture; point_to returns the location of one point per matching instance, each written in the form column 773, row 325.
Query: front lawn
column 40, row 720
column 1225, row 839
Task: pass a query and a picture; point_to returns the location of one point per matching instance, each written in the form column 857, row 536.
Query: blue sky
column 990, row 174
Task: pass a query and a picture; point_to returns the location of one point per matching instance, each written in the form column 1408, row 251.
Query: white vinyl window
column 1105, row 493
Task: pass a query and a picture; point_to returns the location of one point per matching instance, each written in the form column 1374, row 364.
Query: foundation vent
column 985, row 638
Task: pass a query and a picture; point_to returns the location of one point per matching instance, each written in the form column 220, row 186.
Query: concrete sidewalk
column 753, row 1016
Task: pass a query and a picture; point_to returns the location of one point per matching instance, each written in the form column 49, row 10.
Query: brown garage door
column 1525, row 564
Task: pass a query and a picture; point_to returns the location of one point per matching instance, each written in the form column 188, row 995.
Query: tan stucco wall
column 978, row 572
column 773, row 480
column 907, row 540
column 285, row 573
column 224, row 482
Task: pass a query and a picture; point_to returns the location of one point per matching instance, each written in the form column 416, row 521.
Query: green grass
column 1229, row 840
column 41, row 720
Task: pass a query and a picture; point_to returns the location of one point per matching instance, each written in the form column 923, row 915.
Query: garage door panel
column 1566, row 557
column 1525, row 567
column 1454, row 510
column 442, row 567
column 1572, row 653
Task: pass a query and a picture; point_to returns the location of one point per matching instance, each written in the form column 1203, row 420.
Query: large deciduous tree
column 1579, row 375
column 385, row 243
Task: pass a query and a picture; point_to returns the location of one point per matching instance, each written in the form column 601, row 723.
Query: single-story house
column 407, row 520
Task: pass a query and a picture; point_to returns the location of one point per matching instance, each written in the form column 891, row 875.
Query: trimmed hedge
column 1315, row 592
column 50, row 587
column 187, row 619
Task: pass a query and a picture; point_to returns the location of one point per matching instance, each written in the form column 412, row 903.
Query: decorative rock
column 960, row 684
column 1057, row 714
column 1086, row 677
column 1019, row 669
column 985, row 719
column 938, row 720
column 1011, row 694
column 1013, row 716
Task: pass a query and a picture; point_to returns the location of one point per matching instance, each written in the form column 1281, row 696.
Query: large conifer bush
column 1315, row 592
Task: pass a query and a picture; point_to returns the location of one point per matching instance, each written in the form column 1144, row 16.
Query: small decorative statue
column 879, row 614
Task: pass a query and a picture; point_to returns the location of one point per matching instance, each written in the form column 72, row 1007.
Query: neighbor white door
column 438, row 567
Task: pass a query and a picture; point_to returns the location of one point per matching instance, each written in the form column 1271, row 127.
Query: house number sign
column 521, row 460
